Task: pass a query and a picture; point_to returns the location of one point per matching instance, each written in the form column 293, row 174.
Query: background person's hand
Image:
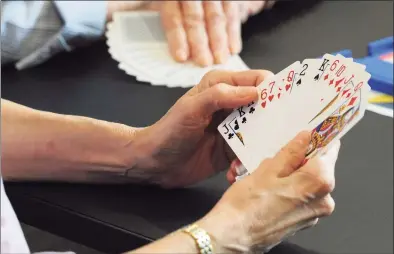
column 277, row 200
column 206, row 32
column 185, row 147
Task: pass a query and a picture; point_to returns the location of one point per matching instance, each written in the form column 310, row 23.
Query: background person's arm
column 39, row 145
column 34, row 31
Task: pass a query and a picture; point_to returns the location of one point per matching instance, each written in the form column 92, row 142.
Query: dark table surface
column 118, row 218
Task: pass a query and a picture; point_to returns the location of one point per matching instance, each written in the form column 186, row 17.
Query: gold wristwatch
column 201, row 237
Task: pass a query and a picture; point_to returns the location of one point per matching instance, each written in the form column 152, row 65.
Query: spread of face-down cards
column 326, row 96
column 137, row 41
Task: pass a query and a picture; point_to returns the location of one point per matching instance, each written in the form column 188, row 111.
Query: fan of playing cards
column 137, row 41
column 326, row 96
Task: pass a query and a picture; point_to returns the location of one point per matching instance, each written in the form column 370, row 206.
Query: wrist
column 225, row 234
column 141, row 152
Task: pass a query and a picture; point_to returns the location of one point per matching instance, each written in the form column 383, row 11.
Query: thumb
column 224, row 96
column 291, row 156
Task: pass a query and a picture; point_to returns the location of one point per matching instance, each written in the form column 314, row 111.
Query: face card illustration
column 343, row 85
column 333, row 127
column 364, row 95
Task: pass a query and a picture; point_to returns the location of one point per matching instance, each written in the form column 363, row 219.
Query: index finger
column 194, row 24
column 232, row 11
column 171, row 18
column 241, row 78
column 216, row 28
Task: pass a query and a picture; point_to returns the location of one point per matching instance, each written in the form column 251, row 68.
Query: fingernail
column 220, row 57
column 235, row 48
column 203, row 60
column 303, row 138
column 181, row 55
column 240, row 169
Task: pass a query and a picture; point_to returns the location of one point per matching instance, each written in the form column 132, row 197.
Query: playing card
column 338, row 70
column 127, row 57
column 311, row 103
column 138, row 42
column 234, row 131
column 342, row 119
column 265, row 110
column 140, row 29
column 275, row 90
column 345, row 88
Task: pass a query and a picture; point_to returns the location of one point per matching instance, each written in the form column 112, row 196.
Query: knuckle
column 210, row 75
column 214, row 97
column 220, row 89
column 216, row 18
column 171, row 21
column 328, row 206
column 290, row 151
column 323, row 185
column 320, row 185
column 193, row 20
column 231, row 10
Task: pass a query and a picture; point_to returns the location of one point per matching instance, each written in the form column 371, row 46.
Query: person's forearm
column 47, row 146
column 176, row 242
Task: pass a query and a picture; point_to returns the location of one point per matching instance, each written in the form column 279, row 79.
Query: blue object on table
column 381, row 71
column 381, row 74
column 381, row 46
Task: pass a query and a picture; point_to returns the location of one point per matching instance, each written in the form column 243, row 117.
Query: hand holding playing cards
column 184, row 147
column 277, row 200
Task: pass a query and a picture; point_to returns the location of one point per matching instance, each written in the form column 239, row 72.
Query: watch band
column 201, row 237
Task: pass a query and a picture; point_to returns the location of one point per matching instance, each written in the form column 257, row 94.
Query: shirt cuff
column 84, row 21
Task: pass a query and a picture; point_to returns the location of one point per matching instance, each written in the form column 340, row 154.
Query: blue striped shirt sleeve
column 34, row 31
